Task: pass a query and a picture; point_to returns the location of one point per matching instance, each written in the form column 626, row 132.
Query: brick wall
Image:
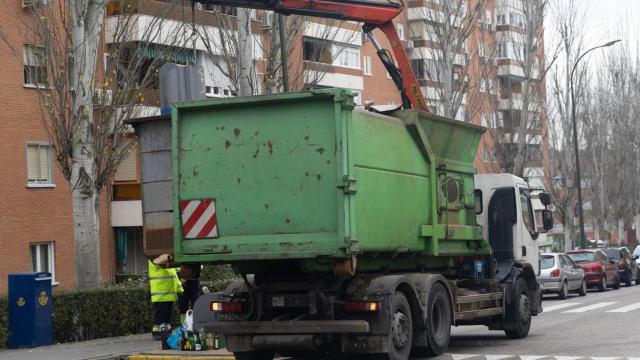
column 31, row 215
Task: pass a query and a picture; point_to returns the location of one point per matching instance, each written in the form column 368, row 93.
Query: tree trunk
column 246, row 75
column 273, row 83
column 86, row 21
column 568, row 234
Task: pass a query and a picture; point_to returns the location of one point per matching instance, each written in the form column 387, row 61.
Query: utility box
column 30, row 310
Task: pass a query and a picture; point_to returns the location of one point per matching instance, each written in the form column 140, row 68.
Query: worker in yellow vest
column 165, row 287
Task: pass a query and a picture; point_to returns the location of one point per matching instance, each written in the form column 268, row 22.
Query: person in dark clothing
column 190, row 278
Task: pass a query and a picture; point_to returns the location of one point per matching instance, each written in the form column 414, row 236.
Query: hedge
column 115, row 310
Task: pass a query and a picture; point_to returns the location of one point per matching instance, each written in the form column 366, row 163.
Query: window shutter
column 128, row 168
column 43, row 156
column 33, row 167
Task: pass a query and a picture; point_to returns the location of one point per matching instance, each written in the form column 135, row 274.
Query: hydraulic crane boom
column 374, row 14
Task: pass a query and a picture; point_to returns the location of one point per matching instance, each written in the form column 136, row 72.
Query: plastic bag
column 174, row 339
column 188, row 321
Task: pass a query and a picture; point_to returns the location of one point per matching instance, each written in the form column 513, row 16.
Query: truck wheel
column 564, row 291
column 583, row 289
column 438, row 320
column 401, row 332
column 521, row 311
column 254, row 355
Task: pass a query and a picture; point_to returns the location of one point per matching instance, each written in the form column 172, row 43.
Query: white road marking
column 546, row 309
column 627, row 308
column 591, row 307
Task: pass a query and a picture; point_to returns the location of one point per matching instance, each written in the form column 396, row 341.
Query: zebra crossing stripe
column 591, row 307
column 625, row 308
column 546, row 309
column 527, row 357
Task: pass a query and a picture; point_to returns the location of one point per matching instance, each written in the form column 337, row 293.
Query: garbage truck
column 351, row 231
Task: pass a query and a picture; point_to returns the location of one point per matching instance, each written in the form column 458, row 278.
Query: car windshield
column 636, row 252
column 547, row 261
column 583, row 257
column 613, row 253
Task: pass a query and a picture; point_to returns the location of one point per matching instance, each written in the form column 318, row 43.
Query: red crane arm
column 374, row 14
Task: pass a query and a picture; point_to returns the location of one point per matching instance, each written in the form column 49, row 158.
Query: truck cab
column 507, row 214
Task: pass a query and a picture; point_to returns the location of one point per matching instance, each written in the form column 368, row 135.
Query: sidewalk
column 105, row 349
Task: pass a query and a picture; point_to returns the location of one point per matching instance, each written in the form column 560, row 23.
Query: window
column 346, row 56
column 39, row 164
column 483, row 85
column 493, row 120
column 481, row 50
column 43, row 258
column 418, row 68
column 527, row 214
column 486, row 156
column 501, row 19
column 35, row 66
column 484, row 119
column 400, row 31
column 317, row 51
column 490, row 86
column 488, row 17
column 366, row 60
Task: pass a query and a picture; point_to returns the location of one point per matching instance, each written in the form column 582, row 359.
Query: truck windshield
column 583, row 257
column 547, row 261
column 613, row 253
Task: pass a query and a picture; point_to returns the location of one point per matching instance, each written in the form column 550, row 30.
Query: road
column 598, row 325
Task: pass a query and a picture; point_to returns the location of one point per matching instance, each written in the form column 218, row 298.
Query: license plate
column 277, row 301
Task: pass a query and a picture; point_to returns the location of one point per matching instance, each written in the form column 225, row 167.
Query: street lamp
column 575, row 140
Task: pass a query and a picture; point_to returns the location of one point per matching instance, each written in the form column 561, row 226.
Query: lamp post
column 575, row 140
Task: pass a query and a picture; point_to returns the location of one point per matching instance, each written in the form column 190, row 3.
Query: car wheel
column 638, row 277
column 627, row 277
column 582, row 291
column 520, row 312
column 616, row 285
column 564, row 291
column 603, row 284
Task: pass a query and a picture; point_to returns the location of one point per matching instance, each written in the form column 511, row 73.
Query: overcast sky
column 608, row 20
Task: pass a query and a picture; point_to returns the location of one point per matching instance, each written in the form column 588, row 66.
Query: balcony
column 514, row 69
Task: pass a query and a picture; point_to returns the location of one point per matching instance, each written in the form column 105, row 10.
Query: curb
column 180, row 357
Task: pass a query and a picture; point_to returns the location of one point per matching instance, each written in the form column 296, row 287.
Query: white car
column 636, row 254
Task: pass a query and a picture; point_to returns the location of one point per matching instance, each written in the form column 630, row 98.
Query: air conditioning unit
column 30, row 3
column 102, row 97
column 267, row 19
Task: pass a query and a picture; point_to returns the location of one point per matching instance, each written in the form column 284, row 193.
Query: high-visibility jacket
column 164, row 283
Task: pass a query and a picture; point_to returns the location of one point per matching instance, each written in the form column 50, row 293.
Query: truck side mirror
column 547, row 219
column 545, row 199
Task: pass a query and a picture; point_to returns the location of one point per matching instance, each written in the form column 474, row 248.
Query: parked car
column 559, row 274
column 627, row 266
column 636, row 254
column 599, row 270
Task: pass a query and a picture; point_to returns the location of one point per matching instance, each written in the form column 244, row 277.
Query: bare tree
column 519, row 143
column 569, row 24
column 83, row 107
column 445, row 60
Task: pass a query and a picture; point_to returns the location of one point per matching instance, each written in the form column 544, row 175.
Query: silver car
column 559, row 274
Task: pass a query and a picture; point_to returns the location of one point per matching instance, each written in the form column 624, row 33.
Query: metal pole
column 283, row 53
column 583, row 238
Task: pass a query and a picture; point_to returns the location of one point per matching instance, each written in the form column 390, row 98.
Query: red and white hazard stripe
column 198, row 218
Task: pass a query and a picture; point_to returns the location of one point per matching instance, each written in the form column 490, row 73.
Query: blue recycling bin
column 30, row 309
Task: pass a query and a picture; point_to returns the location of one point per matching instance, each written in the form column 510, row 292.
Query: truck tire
column 401, row 332
column 254, row 355
column 521, row 311
column 438, row 321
